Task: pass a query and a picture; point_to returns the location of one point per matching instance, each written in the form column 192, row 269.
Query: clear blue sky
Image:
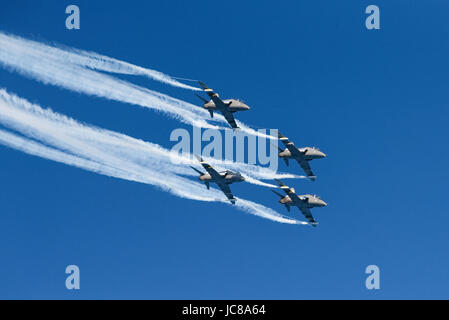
column 375, row 101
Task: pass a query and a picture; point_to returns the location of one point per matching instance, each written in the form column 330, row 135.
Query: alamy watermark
column 72, row 282
column 73, row 20
column 373, row 280
column 373, row 20
column 236, row 145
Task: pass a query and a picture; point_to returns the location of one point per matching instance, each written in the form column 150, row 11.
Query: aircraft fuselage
column 234, row 105
column 227, row 176
column 312, row 201
column 309, row 153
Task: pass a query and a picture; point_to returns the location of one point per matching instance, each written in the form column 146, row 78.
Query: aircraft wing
column 292, row 195
column 290, row 146
column 213, row 173
column 221, row 106
column 229, row 117
column 305, row 165
column 306, row 212
column 226, row 190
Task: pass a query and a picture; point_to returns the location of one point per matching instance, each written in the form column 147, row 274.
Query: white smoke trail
column 100, row 62
column 64, row 140
column 93, row 60
column 43, row 63
column 40, row 150
column 37, row 122
column 265, row 212
column 72, row 69
column 258, row 182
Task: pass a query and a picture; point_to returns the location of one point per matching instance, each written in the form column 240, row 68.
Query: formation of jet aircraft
column 223, row 179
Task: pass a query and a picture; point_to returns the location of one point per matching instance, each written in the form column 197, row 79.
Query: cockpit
column 229, row 172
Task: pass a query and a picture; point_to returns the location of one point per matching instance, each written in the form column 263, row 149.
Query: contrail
column 100, row 62
column 92, row 60
column 37, row 123
column 73, row 70
column 258, row 182
column 42, row 63
column 56, row 137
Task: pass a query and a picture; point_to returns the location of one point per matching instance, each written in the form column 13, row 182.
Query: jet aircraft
column 303, row 202
column 226, row 107
column 221, row 179
column 301, row 155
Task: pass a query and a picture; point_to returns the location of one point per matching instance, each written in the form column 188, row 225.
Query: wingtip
column 279, row 181
column 203, row 85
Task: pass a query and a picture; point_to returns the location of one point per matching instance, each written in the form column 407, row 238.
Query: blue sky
column 374, row 101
